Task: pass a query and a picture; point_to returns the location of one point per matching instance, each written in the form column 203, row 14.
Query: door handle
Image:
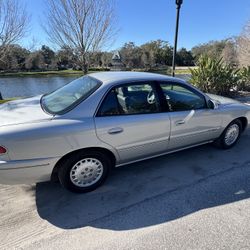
column 115, row 130
column 180, row 122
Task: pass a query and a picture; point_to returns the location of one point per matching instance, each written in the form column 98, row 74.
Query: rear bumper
column 26, row 171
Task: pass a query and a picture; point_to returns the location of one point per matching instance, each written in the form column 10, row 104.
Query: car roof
column 106, row 77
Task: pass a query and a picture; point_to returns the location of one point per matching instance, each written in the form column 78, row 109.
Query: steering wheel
column 151, row 97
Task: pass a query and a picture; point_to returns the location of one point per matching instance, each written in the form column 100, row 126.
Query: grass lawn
column 7, row 100
column 185, row 71
column 182, row 72
column 79, row 72
column 44, row 73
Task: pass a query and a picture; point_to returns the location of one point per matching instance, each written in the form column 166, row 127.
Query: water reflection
column 31, row 86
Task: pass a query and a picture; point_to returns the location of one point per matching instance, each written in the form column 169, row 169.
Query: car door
column 192, row 122
column 129, row 119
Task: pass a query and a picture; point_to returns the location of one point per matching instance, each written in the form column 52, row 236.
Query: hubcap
column 232, row 134
column 86, row 172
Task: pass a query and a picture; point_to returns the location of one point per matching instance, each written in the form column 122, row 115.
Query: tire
column 234, row 129
column 84, row 171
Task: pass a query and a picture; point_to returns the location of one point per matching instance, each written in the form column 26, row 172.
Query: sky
column 141, row 21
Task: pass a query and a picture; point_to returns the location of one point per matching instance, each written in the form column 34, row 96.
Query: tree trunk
column 85, row 68
column 84, row 64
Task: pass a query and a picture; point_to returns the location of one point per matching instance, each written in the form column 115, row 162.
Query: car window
column 130, row 99
column 109, row 105
column 180, row 98
column 69, row 95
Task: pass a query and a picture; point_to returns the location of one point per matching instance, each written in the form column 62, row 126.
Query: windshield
column 69, row 95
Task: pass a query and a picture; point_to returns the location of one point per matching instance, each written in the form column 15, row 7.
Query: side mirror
column 212, row 104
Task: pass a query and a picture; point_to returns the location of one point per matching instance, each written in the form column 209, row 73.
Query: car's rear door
column 130, row 120
column 192, row 122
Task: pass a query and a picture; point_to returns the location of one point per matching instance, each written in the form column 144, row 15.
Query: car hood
column 22, row 111
column 222, row 100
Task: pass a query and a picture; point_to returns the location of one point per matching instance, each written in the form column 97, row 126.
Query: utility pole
column 178, row 7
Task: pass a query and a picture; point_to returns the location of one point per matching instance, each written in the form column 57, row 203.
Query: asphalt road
column 194, row 199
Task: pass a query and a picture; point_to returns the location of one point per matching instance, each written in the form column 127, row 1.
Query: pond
column 27, row 86
column 30, row 86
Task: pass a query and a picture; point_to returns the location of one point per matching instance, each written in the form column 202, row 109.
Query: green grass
column 182, row 71
column 169, row 71
column 7, row 100
column 70, row 72
column 44, row 73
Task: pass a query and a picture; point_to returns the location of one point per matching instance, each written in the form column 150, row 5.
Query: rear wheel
column 230, row 135
column 84, row 171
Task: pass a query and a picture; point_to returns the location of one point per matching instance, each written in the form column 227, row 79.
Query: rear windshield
column 68, row 96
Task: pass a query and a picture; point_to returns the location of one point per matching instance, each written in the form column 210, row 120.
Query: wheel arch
column 244, row 122
column 111, row 155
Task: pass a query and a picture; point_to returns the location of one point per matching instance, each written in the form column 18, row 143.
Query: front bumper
column 26, row 171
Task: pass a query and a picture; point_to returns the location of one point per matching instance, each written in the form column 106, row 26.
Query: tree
column 14, row 58
column 131, row 55
column 184, row 58
column 14, row 22
column 95, row 59
column 166, row 53
column 149, row 55
column 212, row 49
column 65, row 58
column 106, row 59
column 48, row 55
column 244, row 46
column 229, row 53
column 83, row 25
column 156, row 53
column 35, row 61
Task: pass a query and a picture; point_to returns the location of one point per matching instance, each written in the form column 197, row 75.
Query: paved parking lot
column 195, row 199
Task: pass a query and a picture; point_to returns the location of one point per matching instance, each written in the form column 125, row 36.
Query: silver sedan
column 79, row 132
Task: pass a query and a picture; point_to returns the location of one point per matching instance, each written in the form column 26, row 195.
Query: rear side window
column 130, row 99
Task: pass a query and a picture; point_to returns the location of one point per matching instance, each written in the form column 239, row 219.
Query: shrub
column 214, row 76
column 244, row 81
column 99, row 69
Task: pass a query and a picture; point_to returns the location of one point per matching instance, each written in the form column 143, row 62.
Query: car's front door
column 129, row 119
column 192, row 122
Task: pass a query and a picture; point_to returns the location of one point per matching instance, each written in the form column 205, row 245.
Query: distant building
column 116, row 63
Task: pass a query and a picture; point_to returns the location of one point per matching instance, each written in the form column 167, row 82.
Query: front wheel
column 230, row 135
column 84, row 171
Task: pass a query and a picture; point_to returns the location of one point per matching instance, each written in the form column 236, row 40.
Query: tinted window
column 179, row 98
column 130, row 99
column 109, row 105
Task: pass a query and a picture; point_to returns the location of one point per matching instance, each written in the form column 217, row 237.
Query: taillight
column 2, row 150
